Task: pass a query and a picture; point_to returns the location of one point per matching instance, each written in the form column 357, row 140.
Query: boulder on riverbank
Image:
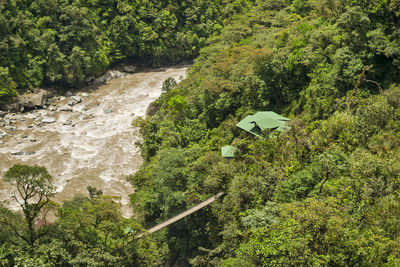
column 130, row 68
column 12, row 107
column 152, row 108
column 29, row 101
column 108, row 76
column 37, row 99
column 74, row 100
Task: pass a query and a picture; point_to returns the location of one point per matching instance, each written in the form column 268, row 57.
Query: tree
column 7, row 85
column 34, row 189
column 177, row 104
column 168, row 85
column 94, row 192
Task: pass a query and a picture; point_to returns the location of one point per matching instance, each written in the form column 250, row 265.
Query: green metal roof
column 263, row 120
column 247, row 123
column 267, row 123
column 270, row 114
column 228, row 151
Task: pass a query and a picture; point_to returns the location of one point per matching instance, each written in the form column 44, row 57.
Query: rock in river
column 66, row 108
column 74, row 100
column 20, row 153
column 108, row 76
column 48, row 120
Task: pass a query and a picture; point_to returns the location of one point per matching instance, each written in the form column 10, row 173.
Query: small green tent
column 263, row 120
column 128, row 230
column 228, row 151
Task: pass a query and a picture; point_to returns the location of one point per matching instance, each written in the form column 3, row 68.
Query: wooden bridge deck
column 183, row 214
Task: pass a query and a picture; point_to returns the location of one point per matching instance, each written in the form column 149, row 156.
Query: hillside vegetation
column 64, row 42
column 324, row 193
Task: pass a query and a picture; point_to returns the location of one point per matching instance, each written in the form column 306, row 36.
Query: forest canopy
column 66, row 42
column 324, row 193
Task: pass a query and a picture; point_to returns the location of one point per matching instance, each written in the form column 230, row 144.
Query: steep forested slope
column 63, row 42
column 326, row 192
column 323, row 193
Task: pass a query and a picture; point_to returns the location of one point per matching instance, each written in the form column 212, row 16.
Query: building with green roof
column 228, row 151
column 263, row 120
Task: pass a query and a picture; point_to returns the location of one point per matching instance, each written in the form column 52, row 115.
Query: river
column 92, row 145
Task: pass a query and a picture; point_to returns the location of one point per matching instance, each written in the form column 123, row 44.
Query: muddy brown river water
column 92, row 145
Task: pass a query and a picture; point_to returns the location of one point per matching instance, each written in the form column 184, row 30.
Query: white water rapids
column 97, row 148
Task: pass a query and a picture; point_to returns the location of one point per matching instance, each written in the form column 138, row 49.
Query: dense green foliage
column 323, row 193
column 64, row 42
column 7, row 85
column 87, row 232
